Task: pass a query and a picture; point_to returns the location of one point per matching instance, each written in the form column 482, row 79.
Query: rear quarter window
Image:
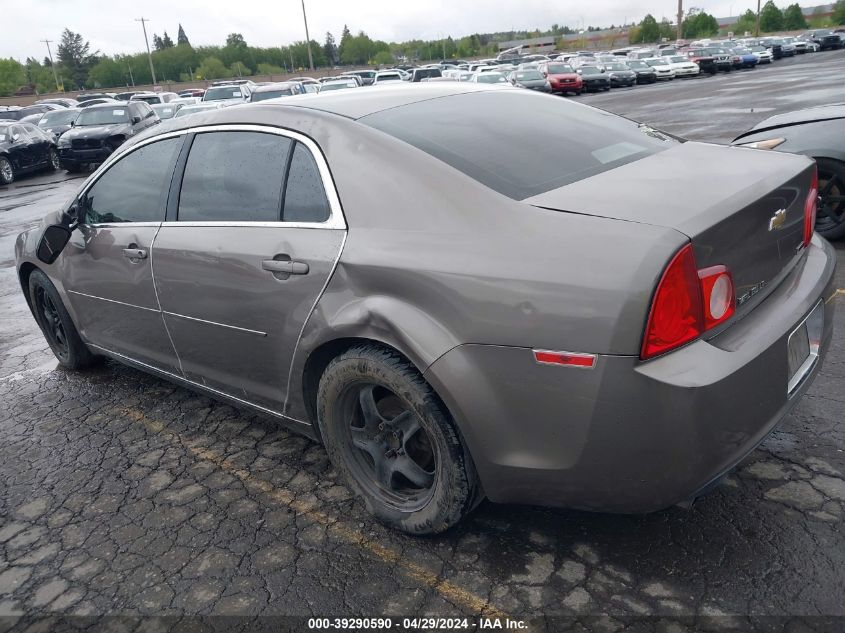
column 487, row 136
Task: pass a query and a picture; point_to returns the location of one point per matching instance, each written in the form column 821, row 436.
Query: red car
column 562, row 77
column 192, row 92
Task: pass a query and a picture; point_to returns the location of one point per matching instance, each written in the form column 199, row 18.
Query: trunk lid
column 742, row 208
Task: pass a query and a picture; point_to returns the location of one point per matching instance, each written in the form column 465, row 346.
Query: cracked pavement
column 122, row 494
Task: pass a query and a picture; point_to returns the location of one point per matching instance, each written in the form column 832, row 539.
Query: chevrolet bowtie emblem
column 777, row 220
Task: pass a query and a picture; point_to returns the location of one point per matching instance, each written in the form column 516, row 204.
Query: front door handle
column 285, row 266
column 135, row 253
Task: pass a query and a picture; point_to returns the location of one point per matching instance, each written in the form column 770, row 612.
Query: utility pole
column 52, row 65
column 757, row 26
column 307, row 37
column 131, row 78
column 143, row 22
column 680, row 19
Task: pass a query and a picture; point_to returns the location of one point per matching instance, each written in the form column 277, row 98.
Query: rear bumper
column 629, row 436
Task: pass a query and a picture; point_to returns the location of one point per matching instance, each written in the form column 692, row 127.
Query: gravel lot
column 121, row 494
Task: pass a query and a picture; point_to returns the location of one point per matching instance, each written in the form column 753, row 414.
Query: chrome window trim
column 336, row 219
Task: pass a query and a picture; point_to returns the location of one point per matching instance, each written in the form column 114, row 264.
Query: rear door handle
column 285, row 266
column 135, row 253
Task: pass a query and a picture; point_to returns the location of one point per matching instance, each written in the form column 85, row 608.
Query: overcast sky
column 110, row 28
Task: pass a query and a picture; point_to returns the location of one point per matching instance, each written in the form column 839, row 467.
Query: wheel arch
column 24, row 272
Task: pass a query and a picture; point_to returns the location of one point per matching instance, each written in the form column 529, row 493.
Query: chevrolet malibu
column 552, row 309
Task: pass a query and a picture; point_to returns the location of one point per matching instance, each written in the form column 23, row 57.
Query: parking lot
column 125, row 495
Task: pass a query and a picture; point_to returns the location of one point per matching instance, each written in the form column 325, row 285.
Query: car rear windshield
column 518, row 156
column 148, row 98
column 528, row 75
column 58, row 117
column 223, row 92
column 560, row 69
column 272, row 94
column 103, row 116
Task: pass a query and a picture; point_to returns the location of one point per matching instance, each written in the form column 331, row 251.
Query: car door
column 40, row 144
column 252, row 243
column 21, row 151
column 107, row 265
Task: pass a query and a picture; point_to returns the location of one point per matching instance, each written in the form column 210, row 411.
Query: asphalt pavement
column 124, row 497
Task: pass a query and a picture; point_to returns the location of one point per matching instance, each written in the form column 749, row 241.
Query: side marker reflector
column 568, row 359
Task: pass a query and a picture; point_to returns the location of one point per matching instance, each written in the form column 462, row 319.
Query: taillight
column 687, row 303
column 811, row 207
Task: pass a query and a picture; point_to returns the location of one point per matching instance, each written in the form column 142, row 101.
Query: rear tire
column 830, row 219
column 56, row 324
column 393, row 441
column 7, row 172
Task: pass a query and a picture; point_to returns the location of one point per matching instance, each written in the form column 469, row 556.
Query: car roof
column 274, row 86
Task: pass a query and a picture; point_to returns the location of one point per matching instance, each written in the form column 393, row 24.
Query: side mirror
column 136, row 120
column 53, row 242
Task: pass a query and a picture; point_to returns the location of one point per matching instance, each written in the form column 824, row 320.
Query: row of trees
column 78, row 67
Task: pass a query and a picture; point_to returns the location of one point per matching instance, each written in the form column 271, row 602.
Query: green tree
column 344, row 40
column 838, row 15
column 173, row 61
column 746, row 22
column 269, row 69
column 771, row 18
column 158, row 43
column 649, row 30
column 212, row 68
column 667, row 30
column 235, row 40
column 76, row 58
column 699, row 24
column 819, row 20
column 383, row 58
column 165, row 39
column 12, row 76
column 108, row 73
column 39, row 75
column 793, row 18
column 181, row 38
column 330, row 49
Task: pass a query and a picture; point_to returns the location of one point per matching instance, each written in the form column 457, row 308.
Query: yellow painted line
column 838, row 293
column 336, row 526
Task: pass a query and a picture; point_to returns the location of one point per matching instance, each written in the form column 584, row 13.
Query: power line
column 143, row 22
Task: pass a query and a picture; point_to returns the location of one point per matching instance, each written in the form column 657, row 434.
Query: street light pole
column 680, row 19
column 307, row 37
column 757, row 25
column 52, row 65
column 143, row 22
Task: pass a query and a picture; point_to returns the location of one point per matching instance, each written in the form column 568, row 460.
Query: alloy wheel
column 7, row 174
column 54, row 160
column 53, row 328
column 391, row 453
column 831, row 211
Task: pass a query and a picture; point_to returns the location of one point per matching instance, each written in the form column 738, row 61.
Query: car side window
column 134, row 189
column 234, row 177
column 305, row 196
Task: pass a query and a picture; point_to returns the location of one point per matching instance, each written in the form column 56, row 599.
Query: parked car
column 661, row 67
column 645, row 73
column 88, row 96
column 418, row 74
column 58, row 122
column 722, row 58
column 389, row 329
column 825, row 38
column 126, row 96
column 682, row 66
column 228, row 94
column 192, row 92
column 774, row 45
column 531, row 79
column 620, row 75
column 800, row 46
column 197, row 108
column 386, row 76
column 705, row 61
column 338, row 84
column 25, row 148
column 62, row 101
column 154, row 97
column 744, row 58
column 276, row 90
column 562, row 77
column 367, row 77
column 818, row 132
column 166, row 110
column 19, row 113
column 763, row 54
column 594, row 78
column 100, row 129
column 489, row 78
column 100, row 101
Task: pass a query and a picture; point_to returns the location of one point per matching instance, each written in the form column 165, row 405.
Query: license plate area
column 802, row 348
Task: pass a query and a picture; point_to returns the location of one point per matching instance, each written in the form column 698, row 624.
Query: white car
column 386, row 76
column 763, row 54
column 683, row 66
column 661, row 67
column 338, row 84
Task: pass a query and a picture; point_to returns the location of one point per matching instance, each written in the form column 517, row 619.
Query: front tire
column 56, row 324
column 830, row 219
column 7, row 172
column 54, row 163
column 393, row 441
